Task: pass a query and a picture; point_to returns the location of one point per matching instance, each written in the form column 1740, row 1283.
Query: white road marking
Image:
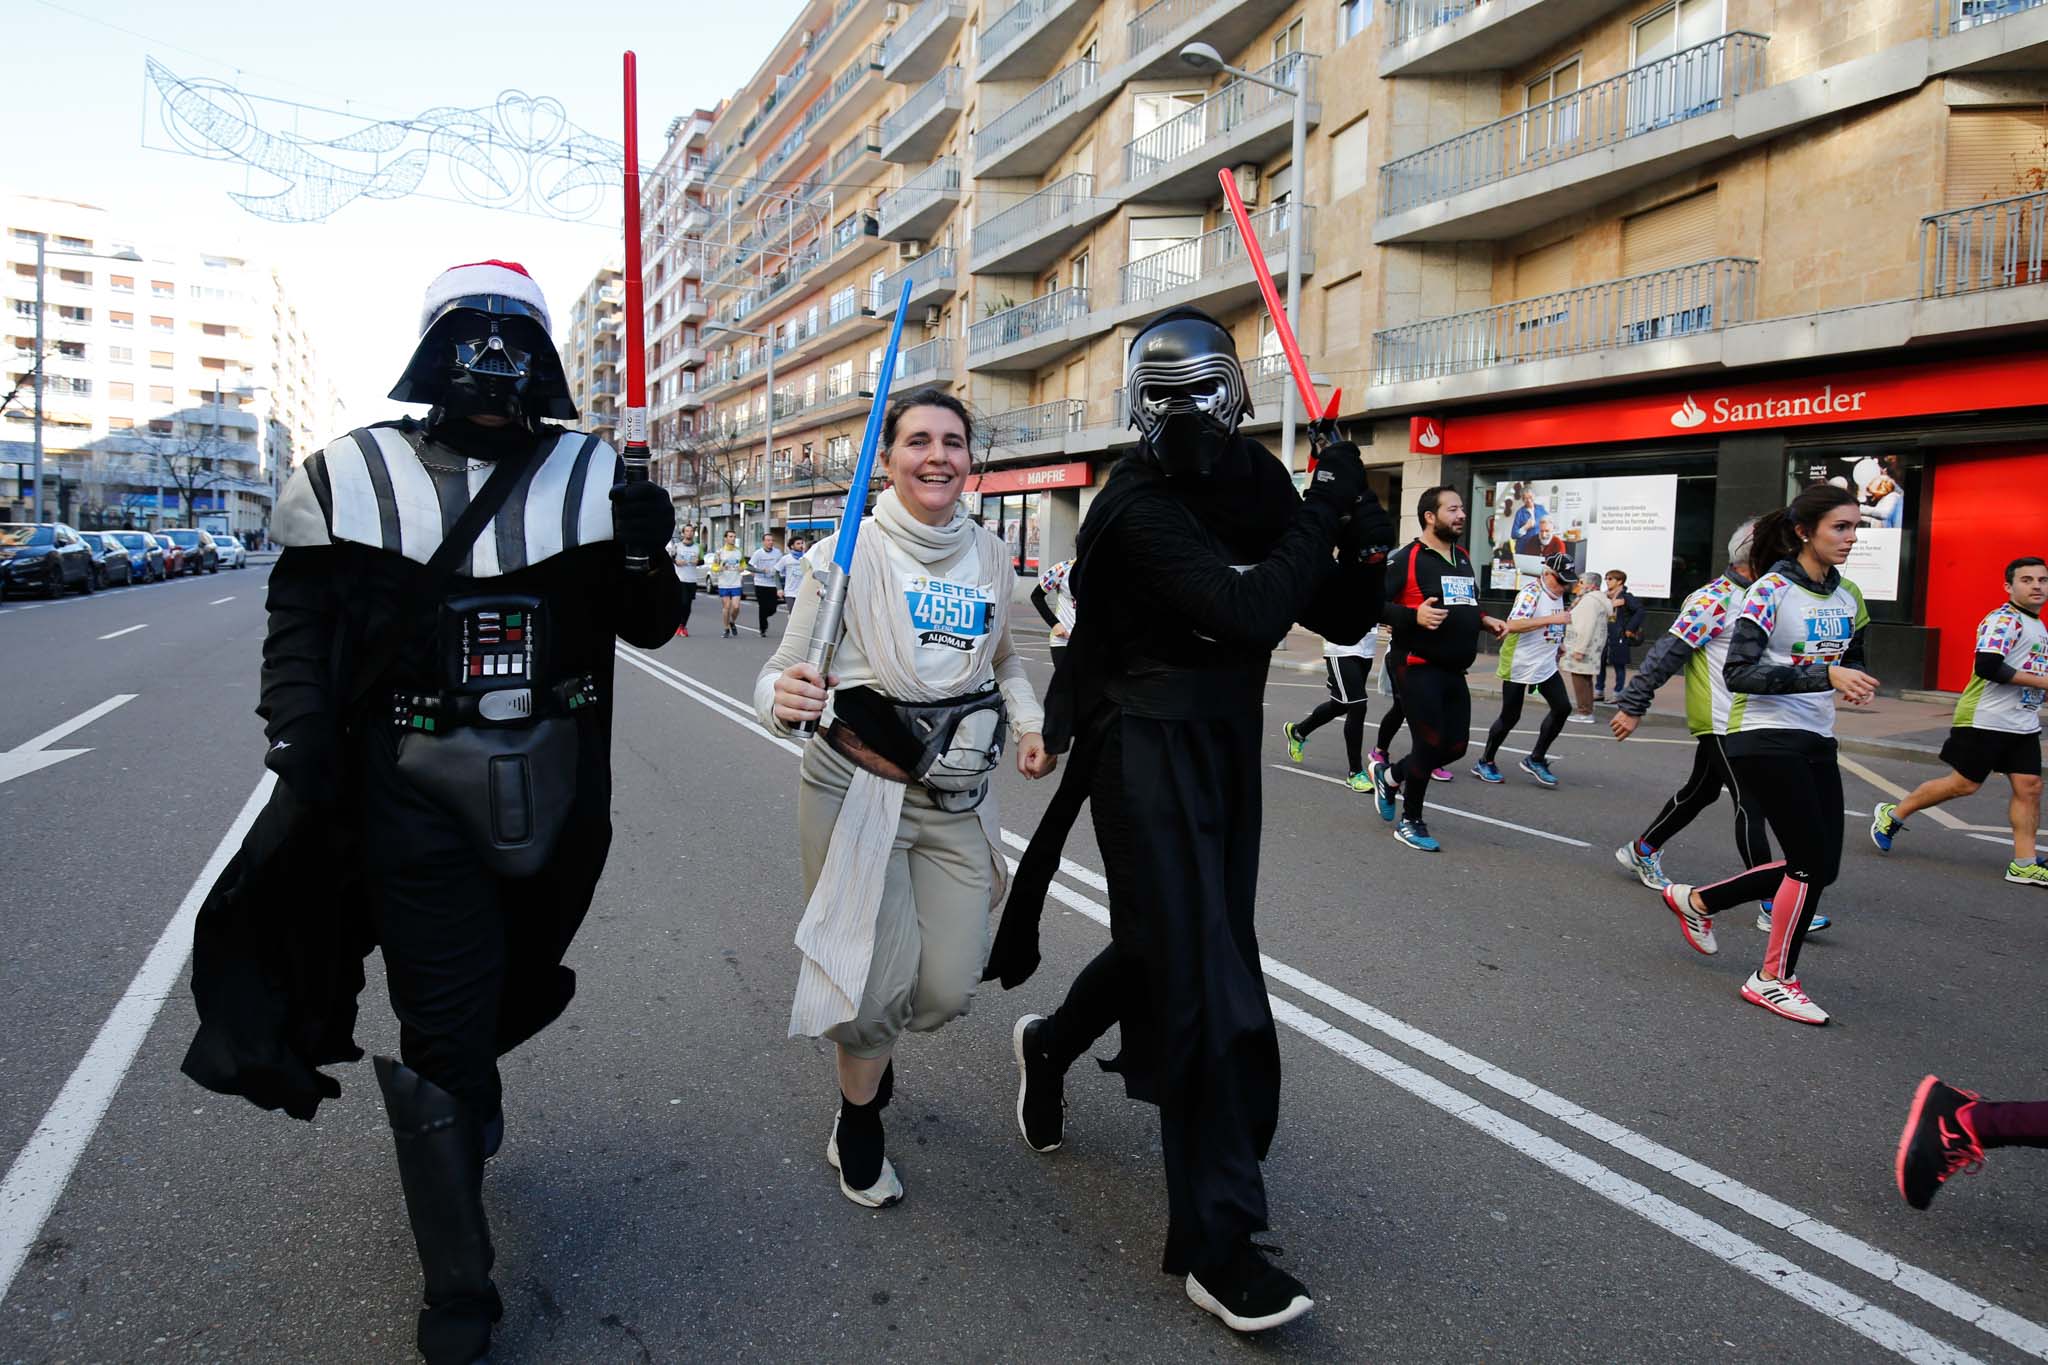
column 1435, row 806
column 1894, row 791
column 218, row 600
column 39, row 1174
column 33, row 755
column 117, row 634
column 1824, row 1297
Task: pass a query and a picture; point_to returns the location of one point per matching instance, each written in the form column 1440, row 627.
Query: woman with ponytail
column 1797, row 644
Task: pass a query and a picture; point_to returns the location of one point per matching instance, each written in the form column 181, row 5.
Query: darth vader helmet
column 484, row 347
column 1186, row 391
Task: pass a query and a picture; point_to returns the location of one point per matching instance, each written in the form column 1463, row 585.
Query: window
column 75, row 243
column 159, row 323
column 1991, row 153
column 1077, row 274
column 121, row 390
column 77, row 277
column 160, row 360
column 1546, row 270
column 120, row 423
column 1350, row 160
column 160, row 393
column 163, row 289
column 1352, row 17
column 120, row 319
column 214, row 329
column 1288, row 41
column 1682, row 87
column 1553, row 119
column 121, row 355
column 160, row 426
column 1678, row 233
column 66, row 313
column 71, row 350
column 123, row 284
column 1343, row 307
column 1149, row 236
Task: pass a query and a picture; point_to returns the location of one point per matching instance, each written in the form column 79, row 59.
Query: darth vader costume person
column 1192, row 564
column 437, row 693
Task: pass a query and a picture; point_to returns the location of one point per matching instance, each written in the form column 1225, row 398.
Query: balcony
column 1154, row 38
column 1211, row 271
column 930, row 362
column 846, row 103
column 689, row 400
column 1436, row 37
column 1242, row 122
column 931, row 276
column 1574, row 151
column 1027, row 335
column 859, row 161
column 1023, row 41
column 1983, row 246
column 1031, row 134
column 911, row 212
column 1664, row 305
column 694, row 309
column 918, row 46
column 1037, row 229
column 1052, row 421
column 689, row 357
column 1991, row 35
column 690, row 267
column 914, row 132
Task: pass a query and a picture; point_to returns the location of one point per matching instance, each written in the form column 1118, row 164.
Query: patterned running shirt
column 1803, row 629
column 1703, row 624
column 1531, row 657
column 2009, row 707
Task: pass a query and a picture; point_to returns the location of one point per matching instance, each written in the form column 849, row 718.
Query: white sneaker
column 886, row 1190
column 1697, row 928
column 1783, row 998
column 1576, row 719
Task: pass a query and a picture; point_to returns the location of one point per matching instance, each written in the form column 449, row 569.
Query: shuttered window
column 1675, row 234
column 1342, row 310
column 1994, row 154
column 1546, row 270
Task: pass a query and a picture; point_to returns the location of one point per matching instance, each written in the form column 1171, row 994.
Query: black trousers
column 768, row 599
column 1353, row 713
column 1511, row 694
column 1176, row 807
column 1438, row 708
column 1795, row 780
column 689, row 600
column 1711, row 771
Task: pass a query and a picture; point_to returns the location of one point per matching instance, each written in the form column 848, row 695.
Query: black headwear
column 1186, row 390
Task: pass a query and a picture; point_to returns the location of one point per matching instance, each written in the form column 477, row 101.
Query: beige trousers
column 931, row 932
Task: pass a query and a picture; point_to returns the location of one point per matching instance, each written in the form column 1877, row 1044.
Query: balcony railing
column 1404, row 19
column 925, row 360
column 923, row 100
column 1685, row 85
column 1029, row 214
column 913, row 30
column 848, row 303
column 1157, row 20
column 1983, row 246
column 929, row 268
column 867, row 142
column 1006, row 27
column 1047, row 313
column 1189, row 262
column 940, row 180
column 1040, row 422
column 1953, row 16
column 1684, row 300
column 1231, row 107
column 1024, row 117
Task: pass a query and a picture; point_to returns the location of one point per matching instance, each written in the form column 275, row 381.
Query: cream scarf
column 837, row 933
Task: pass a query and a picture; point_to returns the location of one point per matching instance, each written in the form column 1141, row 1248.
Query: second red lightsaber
column 634, row 426
column 1311, row 405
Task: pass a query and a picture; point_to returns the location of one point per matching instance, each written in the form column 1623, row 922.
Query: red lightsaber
column 635, row 424
column 1316, row 411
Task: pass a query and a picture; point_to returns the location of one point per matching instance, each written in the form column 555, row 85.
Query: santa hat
column 508, row 278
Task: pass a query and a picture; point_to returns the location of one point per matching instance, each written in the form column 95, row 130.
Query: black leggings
column 1711, row 772
column 1799, row 788
column 1511, row 694
column 768, row 598
column 689, row 599
column 1391, row 723
column 1354, row 728
column 1438, row 707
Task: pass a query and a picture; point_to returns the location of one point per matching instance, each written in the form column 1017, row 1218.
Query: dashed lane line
column 218, row 600
column 1832, row 1301
column 117, row 634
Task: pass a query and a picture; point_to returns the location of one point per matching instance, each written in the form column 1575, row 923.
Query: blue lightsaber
column 832, row 611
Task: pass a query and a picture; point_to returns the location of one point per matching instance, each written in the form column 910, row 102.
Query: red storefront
column 1012, row 504
column 1948, row 456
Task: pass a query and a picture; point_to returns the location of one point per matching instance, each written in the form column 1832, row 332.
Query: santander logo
column 1425, row 434
column 1429, row 439
column 1688, row 414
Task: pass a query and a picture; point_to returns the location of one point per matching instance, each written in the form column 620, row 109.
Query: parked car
column 174, row 555
column 111, row 562
column 145, row 556
column 46, row 557
column 200, row 556
column 232, row 555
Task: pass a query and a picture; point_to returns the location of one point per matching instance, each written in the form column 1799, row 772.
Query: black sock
column 860, row 1137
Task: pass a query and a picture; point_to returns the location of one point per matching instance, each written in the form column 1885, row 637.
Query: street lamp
column 767, row 340
column 1206, row 59
column 35, row 499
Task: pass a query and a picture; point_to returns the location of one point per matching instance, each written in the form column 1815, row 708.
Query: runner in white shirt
column 1997, row 725
column 793, row 570
column 1349, row 667
column 689, row 561
column 1054, row 598
column 766, row 567
column 1528, row 659
column 729, row 563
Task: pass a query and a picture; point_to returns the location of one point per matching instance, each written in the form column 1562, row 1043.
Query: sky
column 74, row 102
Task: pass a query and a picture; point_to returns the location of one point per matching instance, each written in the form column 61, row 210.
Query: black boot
column 865, row 1175
column 441, row 1167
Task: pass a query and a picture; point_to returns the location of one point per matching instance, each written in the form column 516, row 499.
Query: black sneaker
column 1041, row 1103
column 1937, row 1142
column 1248, row 1292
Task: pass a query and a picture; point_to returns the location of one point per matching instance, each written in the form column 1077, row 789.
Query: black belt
column 432, row 712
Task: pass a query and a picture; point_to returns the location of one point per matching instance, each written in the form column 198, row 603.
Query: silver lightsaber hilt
column 825, row 630
column 636, row 461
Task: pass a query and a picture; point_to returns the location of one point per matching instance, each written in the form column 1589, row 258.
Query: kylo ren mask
column 1187, row 392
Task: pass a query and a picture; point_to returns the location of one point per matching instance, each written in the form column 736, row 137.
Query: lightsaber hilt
column 831, row 619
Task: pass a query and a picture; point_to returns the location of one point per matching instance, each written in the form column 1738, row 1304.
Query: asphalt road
column 1521, row 1120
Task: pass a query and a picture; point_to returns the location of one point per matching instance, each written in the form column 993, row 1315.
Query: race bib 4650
column 944, row 613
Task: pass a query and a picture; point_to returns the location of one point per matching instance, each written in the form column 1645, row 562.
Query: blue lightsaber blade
column 832, row 611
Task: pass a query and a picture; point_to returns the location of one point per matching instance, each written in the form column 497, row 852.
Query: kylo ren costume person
column 437, row 692
column 1193, row 563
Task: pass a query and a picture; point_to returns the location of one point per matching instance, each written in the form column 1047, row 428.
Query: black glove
column 1339, row 479
column 307, row 762
column 643, row 519
column 1372, row 528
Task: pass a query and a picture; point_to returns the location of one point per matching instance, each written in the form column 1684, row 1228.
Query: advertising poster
column 1880, row 483
column 1603, row 524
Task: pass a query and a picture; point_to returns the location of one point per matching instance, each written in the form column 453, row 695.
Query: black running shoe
column 1041, row 1103
column 1937, row 1142
column 1248, row 1292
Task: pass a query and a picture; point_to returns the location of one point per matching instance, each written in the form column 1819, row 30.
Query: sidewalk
column 1890, row 727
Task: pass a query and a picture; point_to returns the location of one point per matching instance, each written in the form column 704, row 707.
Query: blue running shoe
column 1885, row 825
column 1648, row 868
column 1540, row 770
column 1383, row 793
column 1763, row 920
column 1415, row 834
column 1486, row 772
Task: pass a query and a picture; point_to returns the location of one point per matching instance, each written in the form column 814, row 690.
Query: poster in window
column 1879, row 482
column 1624, row 523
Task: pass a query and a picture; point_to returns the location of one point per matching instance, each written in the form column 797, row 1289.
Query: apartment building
column 1644, row 265
column 593, row 352
column 168, row 370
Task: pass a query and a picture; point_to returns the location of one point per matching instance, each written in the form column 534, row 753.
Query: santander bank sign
column 1974, row 384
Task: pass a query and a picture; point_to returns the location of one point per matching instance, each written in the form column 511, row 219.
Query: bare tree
column 193, row 461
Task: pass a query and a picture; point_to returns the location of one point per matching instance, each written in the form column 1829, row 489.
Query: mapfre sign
column 1977, row 384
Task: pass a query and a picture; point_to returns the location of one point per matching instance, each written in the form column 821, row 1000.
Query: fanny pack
column 949, row 746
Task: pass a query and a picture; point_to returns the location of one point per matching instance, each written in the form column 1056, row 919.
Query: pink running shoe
column 1441, row 775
